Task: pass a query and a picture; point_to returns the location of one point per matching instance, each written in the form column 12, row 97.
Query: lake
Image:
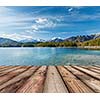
column 48, row 56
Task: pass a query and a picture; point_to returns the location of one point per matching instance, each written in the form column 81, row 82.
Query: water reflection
column 48, row 56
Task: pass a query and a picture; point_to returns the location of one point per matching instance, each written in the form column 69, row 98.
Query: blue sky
column 45, row 22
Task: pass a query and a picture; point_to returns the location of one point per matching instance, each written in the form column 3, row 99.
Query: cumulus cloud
column 43, row 23
column 36, row 21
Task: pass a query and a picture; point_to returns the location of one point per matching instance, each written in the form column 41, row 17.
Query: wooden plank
column 86, row 71
column 10, row 75
column 73, row 84
column 13, row 87
column 97, row 66
column 1, row 67
column 5, row 68
column 35, row 83
column 28, row 79
column 88, row 80
column 10, row 85
column 54, row 83
column 91, row 68
column 13, row 84
column 14, row 68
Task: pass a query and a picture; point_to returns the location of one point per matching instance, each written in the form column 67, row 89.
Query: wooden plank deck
column 50, row 79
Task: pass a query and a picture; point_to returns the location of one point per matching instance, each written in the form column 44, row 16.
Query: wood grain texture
column 3, row 68
column 35, row 83
column 54, row 82
column 88, row 80
column 92, row 68
column 74, row 85
column 6, row 77
column 12, row 69
column 86, row 71
column 50, row 79
column 21, row 76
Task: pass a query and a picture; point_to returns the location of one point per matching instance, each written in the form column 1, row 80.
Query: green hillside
column 95, row 42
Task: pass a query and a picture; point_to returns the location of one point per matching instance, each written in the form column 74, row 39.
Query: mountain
column 56, row 39
column 85, row 40
column 32, row 40
column 4, row 42
column 28, row 40
column 82, row 38
column 97, row 36
column 94, row 42
column 41, row 40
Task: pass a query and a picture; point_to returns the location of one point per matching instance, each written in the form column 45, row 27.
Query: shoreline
column 82, row 47
column 90, row 47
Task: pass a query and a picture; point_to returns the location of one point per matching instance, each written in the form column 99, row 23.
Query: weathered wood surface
column 50, row 79
column 21, row 77
column 73, row 84
column 36, row 82
column 54, row 82
column 88, row 80
column 86, row 71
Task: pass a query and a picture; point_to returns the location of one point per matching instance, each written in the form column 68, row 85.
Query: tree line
column 94, row 42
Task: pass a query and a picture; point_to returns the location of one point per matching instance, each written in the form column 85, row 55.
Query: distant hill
column 80, row 38
column 4, row 42
column 94, row 42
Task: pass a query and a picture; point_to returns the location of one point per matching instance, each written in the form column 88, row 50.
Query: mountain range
column 80, row 38
column 4, row 42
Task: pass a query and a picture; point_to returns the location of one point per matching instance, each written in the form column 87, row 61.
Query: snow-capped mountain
column 56, row 39
column 97, row 36
column 32, row 40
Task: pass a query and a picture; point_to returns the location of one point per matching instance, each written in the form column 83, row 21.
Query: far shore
column 90, row 47
column 80, row 47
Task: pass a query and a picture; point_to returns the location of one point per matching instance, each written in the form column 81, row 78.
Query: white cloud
column 70, row 9
column 9, row 18
column 15, row 36
column 35, row 27
column 42, row 23
column 12, row 20
column 41, row 20
column 5, row 10
column 56, row 38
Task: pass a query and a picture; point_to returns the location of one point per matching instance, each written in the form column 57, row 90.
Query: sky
column 47, row 22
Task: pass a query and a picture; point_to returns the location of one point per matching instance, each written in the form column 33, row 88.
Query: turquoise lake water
column 48, row 56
